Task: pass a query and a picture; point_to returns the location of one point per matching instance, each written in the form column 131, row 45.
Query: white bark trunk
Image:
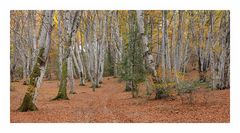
column 60, row 45
column 148, row 56
column 163, row 47
column 79, row 60
column 70, row 74
column 46, row 45
column 174, row 47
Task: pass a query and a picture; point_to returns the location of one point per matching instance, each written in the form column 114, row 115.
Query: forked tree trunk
column 71, row 25
column 96, row 48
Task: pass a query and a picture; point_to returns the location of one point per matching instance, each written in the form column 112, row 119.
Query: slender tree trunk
column 117, row 40
column 70, row 75
column 187, row 50
column 76, row 64
column 82, row 82
column 164, row 44
column 174, row 47
column 158, row 45
column 60, row 46
column 24, row 67
column 202, row 58
column 179, row 42
column 34, row 39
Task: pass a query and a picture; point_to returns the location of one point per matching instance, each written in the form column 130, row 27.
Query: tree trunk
column 163, row 48
column 82, row 82
column 70, row 75
column 60, row 46
column 179, row 42
column 62, row 92
column 36, row 76
column 174, row 47
column 72, row 20
column 202, row 56
column 76, row 64
column 148, row 56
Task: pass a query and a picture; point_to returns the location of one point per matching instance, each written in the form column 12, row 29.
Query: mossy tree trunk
column 28, row 104
column 62, row 92
column 72, row 19
column 36, row 76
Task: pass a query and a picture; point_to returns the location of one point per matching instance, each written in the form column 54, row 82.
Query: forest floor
column 111, row 104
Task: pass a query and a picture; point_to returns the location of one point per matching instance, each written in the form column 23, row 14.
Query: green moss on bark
column 62, row 92
column 27, row 104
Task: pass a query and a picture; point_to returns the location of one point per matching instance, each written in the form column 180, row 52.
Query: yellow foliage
column 180, row 76
column 164, row 85
column 217, row 49
column 55, row 18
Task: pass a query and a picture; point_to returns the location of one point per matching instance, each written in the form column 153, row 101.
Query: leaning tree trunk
column 76, row 64
column 27, row 104
column 82, row 82
column 29, row 101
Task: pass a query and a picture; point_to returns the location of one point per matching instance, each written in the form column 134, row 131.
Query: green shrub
column 185, row 90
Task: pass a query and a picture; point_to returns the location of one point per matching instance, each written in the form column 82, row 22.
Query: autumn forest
column 120, row 66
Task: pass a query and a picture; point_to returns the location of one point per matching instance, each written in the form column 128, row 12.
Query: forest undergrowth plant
column 163, row 89
column 185, row 90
